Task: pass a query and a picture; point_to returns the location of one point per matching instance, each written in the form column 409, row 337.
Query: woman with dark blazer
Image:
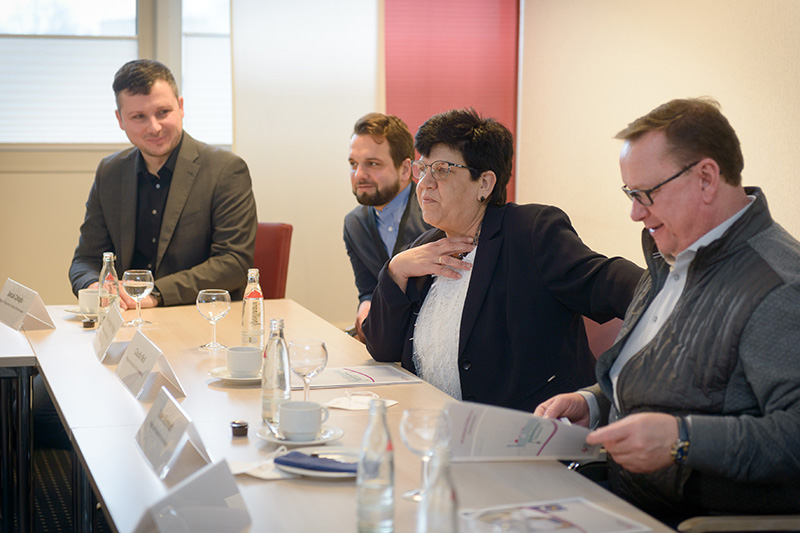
column 488, row 305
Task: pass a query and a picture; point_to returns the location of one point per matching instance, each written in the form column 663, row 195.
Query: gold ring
column 439, row 260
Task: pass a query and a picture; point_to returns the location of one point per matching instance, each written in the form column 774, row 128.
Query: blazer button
column 466, row 365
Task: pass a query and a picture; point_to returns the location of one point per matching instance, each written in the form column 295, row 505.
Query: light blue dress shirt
column 388, row 218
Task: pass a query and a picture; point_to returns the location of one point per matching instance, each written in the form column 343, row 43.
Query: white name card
column 137, row 364
column 165, row 433
column 105, row 335
column 21, row 306
column 209, row 500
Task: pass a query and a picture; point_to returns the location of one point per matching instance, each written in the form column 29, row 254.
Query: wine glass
column 422, row 431
column 138, row 284
column 213, row 304
column 307, row 359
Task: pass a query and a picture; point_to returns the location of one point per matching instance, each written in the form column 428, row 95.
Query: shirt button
column 676, row 277
column 158, row 185
column 390, row 228
column 466, row 365
column 155, row 212
column 149, row 265
column 154, row 240
column 655, row 319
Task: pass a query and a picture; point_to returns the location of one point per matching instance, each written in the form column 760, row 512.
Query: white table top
column 14, row 348
column 103, row 418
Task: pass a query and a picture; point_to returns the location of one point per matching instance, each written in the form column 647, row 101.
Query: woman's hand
column 432, row 258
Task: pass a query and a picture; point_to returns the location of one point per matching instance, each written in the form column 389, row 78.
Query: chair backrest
column 601, row 336
column 273, row 241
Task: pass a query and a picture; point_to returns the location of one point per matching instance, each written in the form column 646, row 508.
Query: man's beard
column 379, row 197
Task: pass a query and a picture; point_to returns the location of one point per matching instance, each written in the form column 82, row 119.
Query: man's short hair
column 694, row 128
column 139, row 75
column 390, row 128
column 484, row 143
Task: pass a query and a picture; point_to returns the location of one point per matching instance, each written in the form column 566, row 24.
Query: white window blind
column 58, row 59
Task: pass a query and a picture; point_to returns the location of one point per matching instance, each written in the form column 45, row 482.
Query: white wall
column 590, row 67
column 303, row 73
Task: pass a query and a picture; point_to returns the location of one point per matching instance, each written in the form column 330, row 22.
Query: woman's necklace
column 462, row 255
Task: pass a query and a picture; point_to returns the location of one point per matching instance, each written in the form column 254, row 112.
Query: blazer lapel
column 372, row 229
column 186, row 169
column 125, row 233
column 490, row 242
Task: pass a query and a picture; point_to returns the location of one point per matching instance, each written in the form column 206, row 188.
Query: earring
column 482, row 199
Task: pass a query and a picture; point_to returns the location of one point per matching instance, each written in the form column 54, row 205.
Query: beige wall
column 589, row 67
column 304, row 72
column 44, row 191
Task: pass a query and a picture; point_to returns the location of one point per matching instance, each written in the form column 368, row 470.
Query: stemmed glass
column 422, row 431
column 307, row 359
column 213, row 304
column 138, row 284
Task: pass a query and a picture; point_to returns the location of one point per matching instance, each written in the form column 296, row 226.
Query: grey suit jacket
column 365, row 247
column 208, row 232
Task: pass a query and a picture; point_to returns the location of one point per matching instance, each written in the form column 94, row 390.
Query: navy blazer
column 522, row 337
column 365, row 247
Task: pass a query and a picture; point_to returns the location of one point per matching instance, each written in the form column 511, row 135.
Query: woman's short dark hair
column 484, row 143
column 139, row 75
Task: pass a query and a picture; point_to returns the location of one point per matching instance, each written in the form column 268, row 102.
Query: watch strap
column 680, row 450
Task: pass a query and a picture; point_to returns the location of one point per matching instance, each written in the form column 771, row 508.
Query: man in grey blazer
column 170, row 204
column 389, row 217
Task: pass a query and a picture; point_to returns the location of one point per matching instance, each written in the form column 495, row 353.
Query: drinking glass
column 138, row 284
column 213, row 304
column 307, row 359
column 422, row 431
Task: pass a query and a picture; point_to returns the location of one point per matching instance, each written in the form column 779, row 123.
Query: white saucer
column 222, row 373
column 329, row 434
column 338, row 453
column 77, row 312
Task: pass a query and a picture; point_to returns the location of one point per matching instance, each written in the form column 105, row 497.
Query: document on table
column 566, row 515
column 356, row 376
column 489, row 433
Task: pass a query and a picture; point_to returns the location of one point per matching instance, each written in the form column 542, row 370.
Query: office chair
column 273, row 242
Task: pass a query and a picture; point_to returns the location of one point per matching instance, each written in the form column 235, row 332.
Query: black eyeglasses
column 439, row 169
column 643, row 195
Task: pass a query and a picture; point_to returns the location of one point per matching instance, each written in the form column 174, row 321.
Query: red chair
column 601, row 336
column 273, row 241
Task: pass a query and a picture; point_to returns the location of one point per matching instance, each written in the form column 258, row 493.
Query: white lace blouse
column 437, row 329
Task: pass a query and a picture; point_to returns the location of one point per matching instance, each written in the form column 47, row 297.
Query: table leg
column 6, row 455
column 82, row 498
column 25, row 448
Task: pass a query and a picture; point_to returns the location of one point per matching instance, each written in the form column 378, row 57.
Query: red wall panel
column 446, row 54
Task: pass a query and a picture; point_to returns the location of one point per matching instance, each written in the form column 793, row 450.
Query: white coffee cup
column 244, row 361
column 301, row 421
column 87, row 300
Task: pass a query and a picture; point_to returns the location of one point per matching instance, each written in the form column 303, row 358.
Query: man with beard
column 389, row 217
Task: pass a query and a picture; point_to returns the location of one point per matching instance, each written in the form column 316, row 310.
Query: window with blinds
column 58, row 59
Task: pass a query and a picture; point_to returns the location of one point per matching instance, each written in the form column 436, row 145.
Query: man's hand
column 641, row 442
column 126, row 302
column 361, row 315
column 572, row 405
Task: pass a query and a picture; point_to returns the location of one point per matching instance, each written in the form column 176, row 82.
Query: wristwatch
column 680, row 450
column 155, row 293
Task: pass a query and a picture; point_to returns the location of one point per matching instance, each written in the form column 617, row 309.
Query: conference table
column 102, row 418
